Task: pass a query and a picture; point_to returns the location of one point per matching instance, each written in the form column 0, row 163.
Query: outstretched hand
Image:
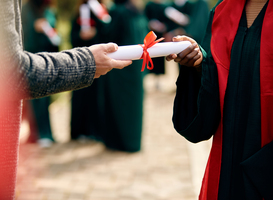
column 104, row 64
column 190, row 57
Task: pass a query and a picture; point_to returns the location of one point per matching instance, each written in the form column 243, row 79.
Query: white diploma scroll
column 134, row 52
column 85, row 17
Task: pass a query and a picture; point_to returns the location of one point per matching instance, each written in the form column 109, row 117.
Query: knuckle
column 188, row 57
column 181, row 55
column 177, row 59
column 182, row 63
column 195, row 51
column 198, row 56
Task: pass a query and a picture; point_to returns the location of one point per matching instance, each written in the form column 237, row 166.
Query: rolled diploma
column 134, row 52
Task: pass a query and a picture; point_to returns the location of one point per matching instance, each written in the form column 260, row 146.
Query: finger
column 177, row 59
column 176, row 39
column 111, row 47
column 183, row 38
column 171, row 57
column 188, row 50
column 168, row 58
column 192, row 62
column 198, row 59
column 197, row 56
column 180, row 38
column 192, row 54
column 190, row 59
column 119, row 64
column 185, row 58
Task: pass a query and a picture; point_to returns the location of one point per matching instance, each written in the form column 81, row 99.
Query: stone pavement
column 167, row 168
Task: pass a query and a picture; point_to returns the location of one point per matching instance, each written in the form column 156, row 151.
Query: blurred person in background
column 35, row 15
column 26, row 75
column 86, row 104
column 225, row 90
column 197, row 12
column 123, row 91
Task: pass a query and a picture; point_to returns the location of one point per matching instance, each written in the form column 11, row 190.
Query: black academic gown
column 197, row 114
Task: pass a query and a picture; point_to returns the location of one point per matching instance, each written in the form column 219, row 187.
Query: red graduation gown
column 224, row 28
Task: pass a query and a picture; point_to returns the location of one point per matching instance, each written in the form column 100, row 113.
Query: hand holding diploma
column 104, row 64
column 190, row 57
column 150, row 49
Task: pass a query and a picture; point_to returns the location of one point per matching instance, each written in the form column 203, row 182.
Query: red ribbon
column 149, row 41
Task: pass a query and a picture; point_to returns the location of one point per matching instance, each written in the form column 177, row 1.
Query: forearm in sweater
column 36, row 75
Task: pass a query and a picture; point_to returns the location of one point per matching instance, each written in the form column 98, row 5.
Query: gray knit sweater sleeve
column 37, row 75
column 49, row 73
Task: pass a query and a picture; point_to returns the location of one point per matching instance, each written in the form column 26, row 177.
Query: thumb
column 180, row 38
column 111, row 47
column 183, row 38
column 119, row 64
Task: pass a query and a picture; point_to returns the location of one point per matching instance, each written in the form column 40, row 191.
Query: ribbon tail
column 149, row 41
column 144, row 61
column 157, row 41
column 151, row 62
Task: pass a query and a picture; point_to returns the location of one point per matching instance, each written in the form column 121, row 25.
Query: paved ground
column 167, row 168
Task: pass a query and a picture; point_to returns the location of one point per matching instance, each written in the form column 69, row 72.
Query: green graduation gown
column 123, row 99
column 197, row 114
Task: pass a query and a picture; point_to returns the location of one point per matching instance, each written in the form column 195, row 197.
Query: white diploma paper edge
column 134, row 52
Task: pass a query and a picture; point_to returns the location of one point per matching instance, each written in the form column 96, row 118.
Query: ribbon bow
column 149, row 41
